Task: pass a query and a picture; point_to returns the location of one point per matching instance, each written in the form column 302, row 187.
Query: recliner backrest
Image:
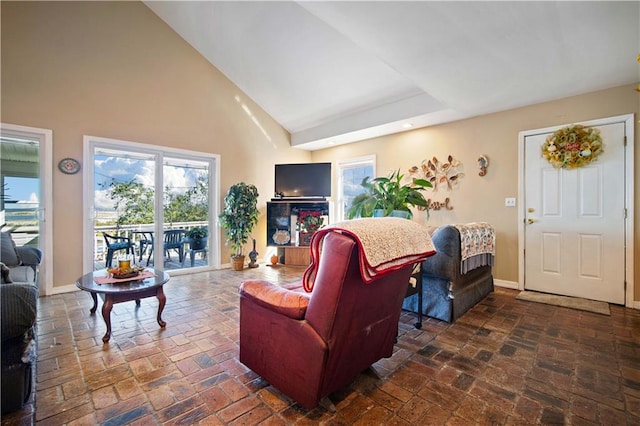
column 358, row 321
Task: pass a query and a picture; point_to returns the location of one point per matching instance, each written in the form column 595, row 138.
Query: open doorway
column 25, row 189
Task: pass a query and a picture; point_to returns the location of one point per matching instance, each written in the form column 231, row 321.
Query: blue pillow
column 8, row 253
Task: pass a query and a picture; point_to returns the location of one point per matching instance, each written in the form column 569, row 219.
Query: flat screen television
column 306, row 180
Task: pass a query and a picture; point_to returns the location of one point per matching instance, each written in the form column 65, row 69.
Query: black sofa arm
column 30, row 256
column 18, row 304
column 446, row 262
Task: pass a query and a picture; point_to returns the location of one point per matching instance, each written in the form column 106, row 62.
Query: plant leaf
column 422, row 182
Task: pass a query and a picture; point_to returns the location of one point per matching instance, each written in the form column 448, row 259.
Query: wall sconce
column 483, row 164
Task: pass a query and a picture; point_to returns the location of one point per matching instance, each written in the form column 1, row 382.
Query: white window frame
column 366, row 160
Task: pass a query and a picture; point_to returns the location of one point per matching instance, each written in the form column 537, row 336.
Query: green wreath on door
column 572, row 147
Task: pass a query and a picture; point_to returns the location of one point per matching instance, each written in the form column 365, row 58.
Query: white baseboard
column 63, row 289
column 507, row 284
column 635, row 304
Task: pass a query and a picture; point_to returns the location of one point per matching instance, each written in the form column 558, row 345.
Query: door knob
column 530, row 221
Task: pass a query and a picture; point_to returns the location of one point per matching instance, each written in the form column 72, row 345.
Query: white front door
column 575, row 221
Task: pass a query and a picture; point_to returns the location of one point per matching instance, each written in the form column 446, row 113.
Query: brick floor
column 504, row 362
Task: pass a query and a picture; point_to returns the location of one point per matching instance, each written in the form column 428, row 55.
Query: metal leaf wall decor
column 438, row 173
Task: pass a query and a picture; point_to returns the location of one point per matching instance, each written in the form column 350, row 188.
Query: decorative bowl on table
column 130, row 272
column 281, row 237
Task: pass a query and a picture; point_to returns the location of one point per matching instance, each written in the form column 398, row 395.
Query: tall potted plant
column 238, row 218
column 389, row 196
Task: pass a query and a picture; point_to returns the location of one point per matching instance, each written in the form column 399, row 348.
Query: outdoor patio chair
column 115, row 243
column 174, row 240
column 146, row 244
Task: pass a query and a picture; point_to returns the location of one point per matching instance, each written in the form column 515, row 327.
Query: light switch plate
column 509, row 202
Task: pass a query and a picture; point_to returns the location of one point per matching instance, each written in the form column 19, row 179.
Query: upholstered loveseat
column 18, row 303
column 460, row 274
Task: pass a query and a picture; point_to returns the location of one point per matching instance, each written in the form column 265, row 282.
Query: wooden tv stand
column 296, row 255
column 281, row 227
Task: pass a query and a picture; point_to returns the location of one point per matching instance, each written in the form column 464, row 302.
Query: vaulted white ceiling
column 334, row 72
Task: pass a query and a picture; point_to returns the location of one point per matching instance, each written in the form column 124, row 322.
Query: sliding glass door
column 186, row 208
column 145, row 203
column 124, row 194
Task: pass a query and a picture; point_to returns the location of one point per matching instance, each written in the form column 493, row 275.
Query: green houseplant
column 238, row 218
column 197, row 237
column 389, row 196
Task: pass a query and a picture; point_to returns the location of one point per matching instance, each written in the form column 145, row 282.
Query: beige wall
column 496, row 135
column 115, row 70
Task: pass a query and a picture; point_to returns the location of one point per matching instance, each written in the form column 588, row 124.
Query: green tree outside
column 134, row 203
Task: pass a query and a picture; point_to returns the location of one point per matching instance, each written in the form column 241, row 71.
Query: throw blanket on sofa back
column 385, row 245
column 477, row 245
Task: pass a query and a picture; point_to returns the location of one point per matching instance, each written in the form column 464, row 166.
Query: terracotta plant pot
column 238, row 263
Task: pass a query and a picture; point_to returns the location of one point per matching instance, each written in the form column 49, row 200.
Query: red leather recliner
column 310, row 345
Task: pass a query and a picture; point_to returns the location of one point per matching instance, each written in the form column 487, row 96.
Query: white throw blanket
column 477, row 245
column 384, row 245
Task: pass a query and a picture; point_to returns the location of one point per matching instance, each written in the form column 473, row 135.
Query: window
column 350, row 175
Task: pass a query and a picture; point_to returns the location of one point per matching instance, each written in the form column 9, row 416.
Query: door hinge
column 625, row 212
column 625, row 140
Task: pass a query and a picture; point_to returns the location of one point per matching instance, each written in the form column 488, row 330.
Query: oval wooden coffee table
column 148, row 285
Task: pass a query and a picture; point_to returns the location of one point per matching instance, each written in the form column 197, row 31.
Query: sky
column 22, row 189
column 109, row 169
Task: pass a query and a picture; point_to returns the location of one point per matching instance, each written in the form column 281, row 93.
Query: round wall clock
column 69, row 166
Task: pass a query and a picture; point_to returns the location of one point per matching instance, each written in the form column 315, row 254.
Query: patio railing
column 100, row 248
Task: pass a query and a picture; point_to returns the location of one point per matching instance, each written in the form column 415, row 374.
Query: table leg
column 162, row 300
column 95, row 303
column 419, row 284
column 106, row 314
